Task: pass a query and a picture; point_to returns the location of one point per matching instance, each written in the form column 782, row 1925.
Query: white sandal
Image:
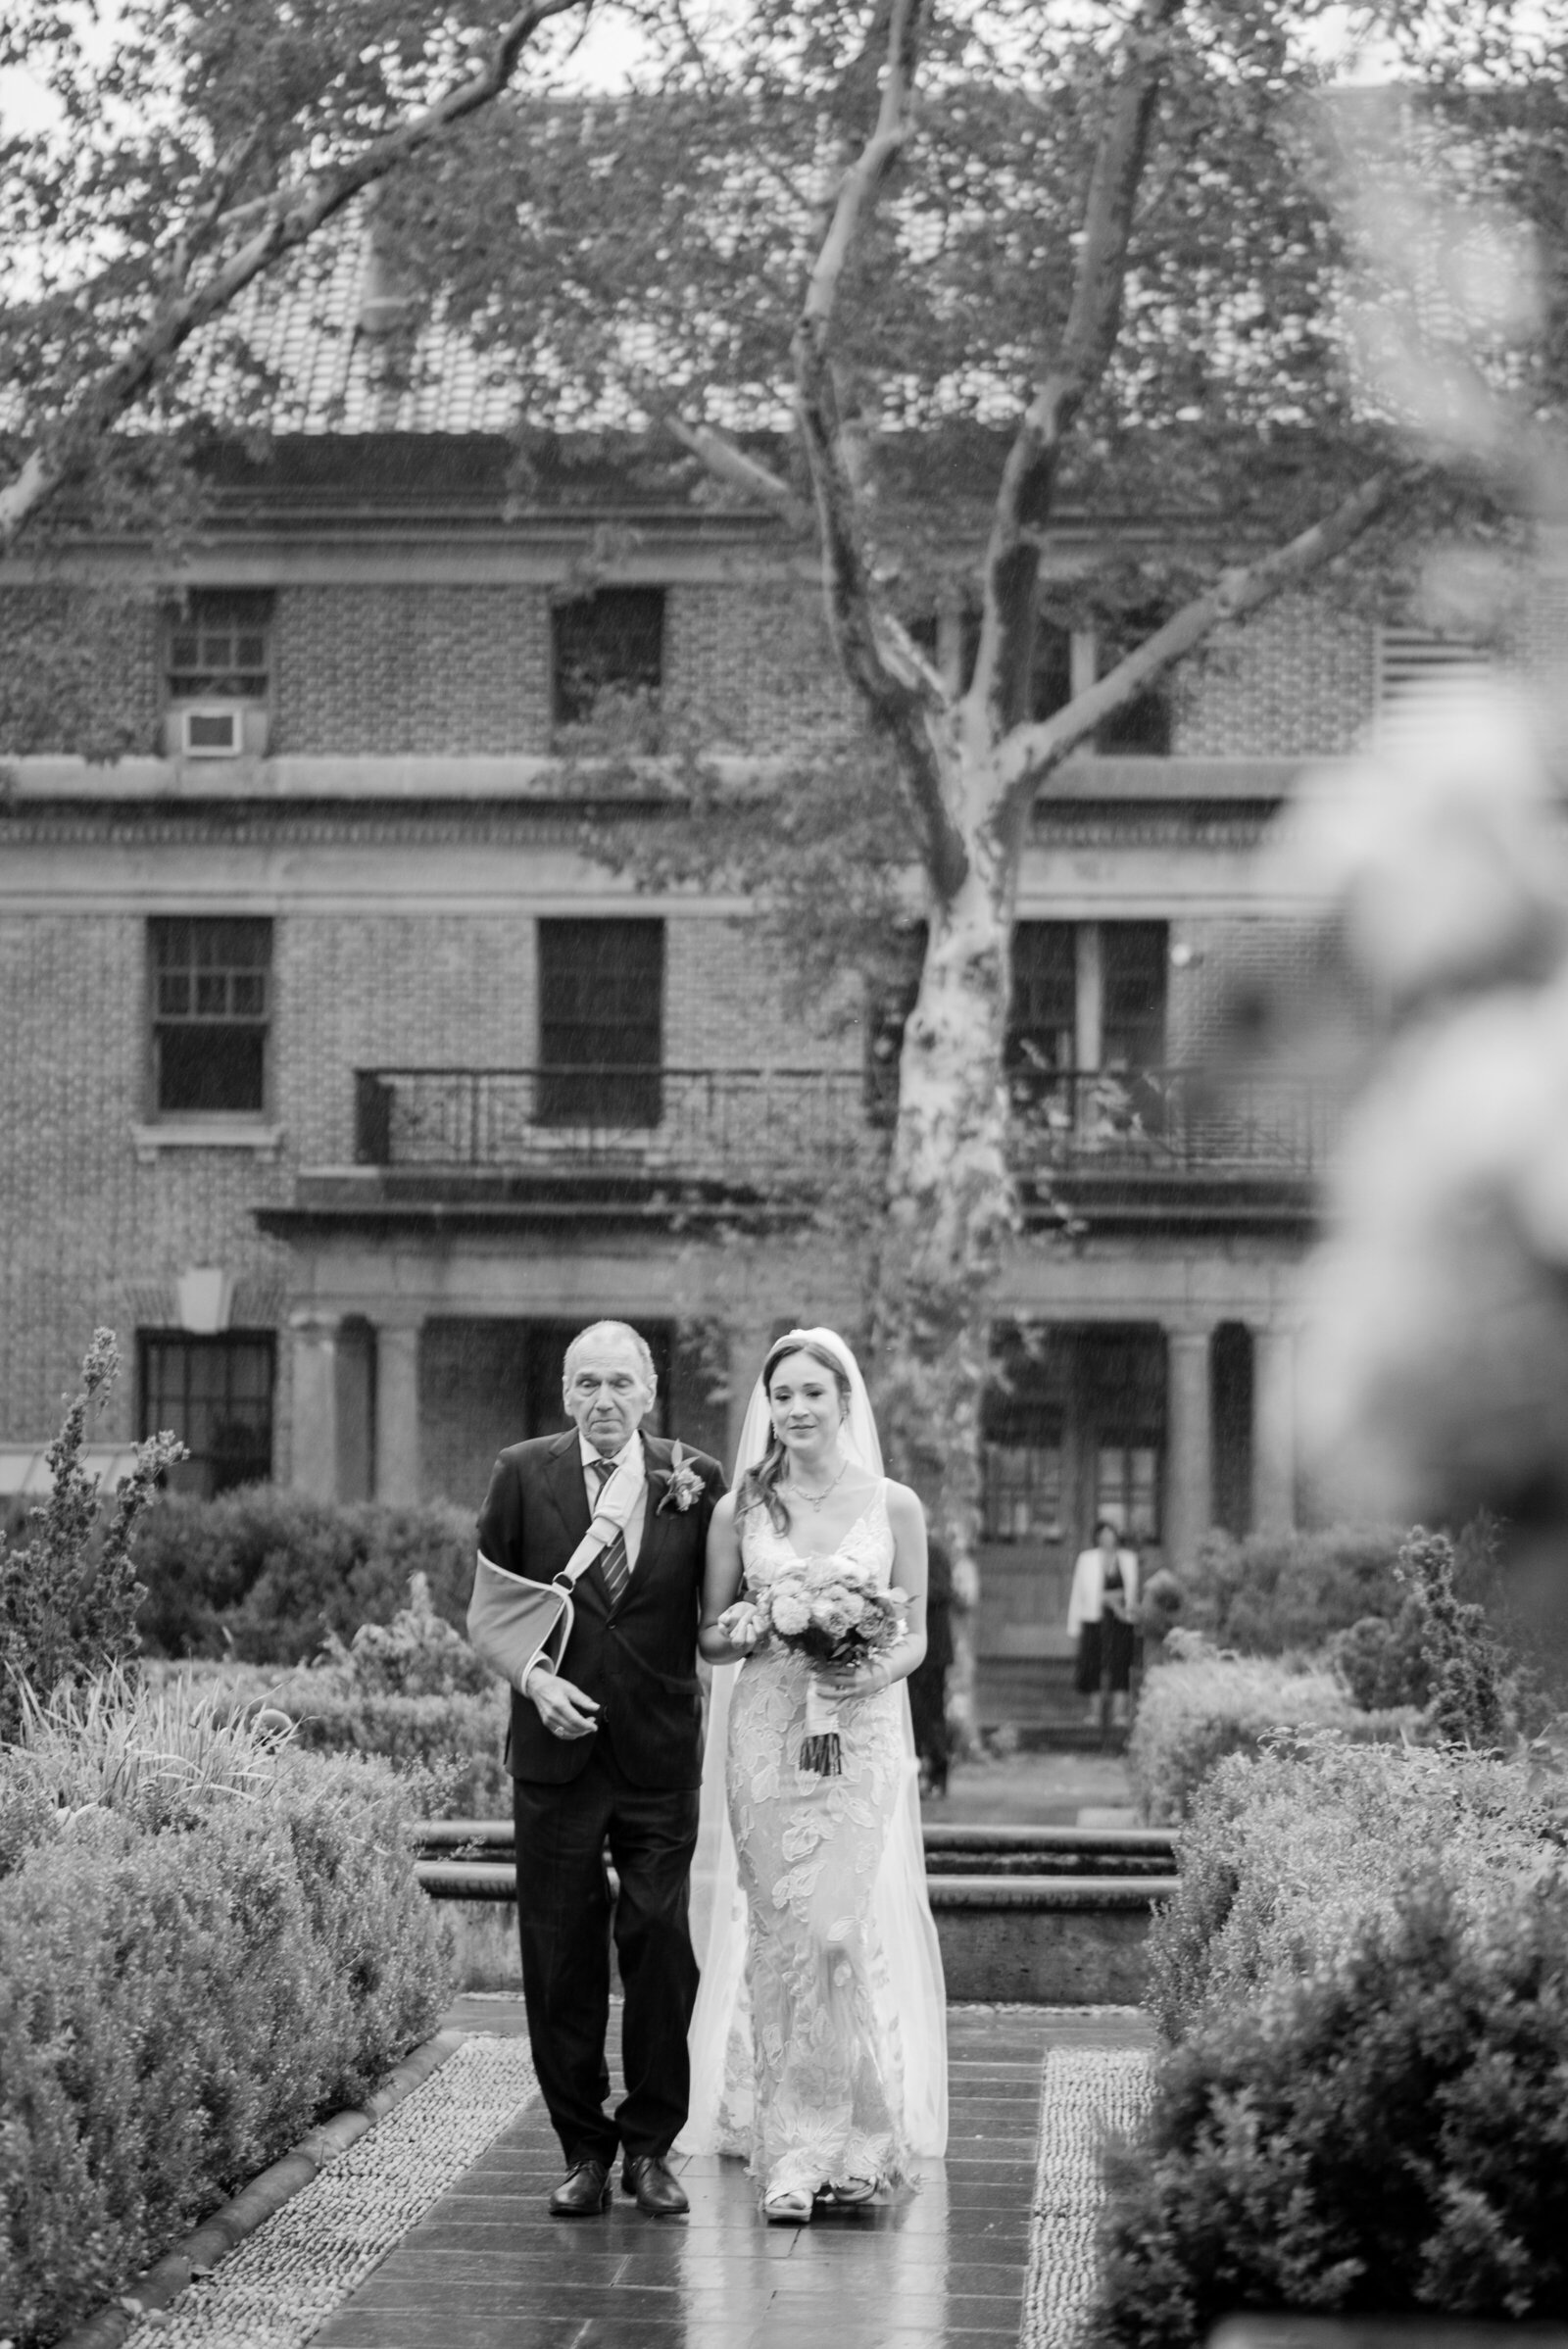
column 853, row 2191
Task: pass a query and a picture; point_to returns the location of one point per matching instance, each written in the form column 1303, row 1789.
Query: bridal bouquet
column 823, row 1609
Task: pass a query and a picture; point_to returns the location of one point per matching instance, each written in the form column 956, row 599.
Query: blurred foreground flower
column 1435, row 1368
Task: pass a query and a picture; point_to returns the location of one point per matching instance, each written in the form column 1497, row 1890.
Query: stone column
column 314, row 1335
column 397, row 1413
column 1273, row 1430
column 1189, row 1446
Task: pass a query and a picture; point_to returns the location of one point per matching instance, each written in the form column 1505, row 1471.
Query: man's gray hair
column 612, row 1328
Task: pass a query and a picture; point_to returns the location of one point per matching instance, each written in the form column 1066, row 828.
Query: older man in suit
column 609, row 1749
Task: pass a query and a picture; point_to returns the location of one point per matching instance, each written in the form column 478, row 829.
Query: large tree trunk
column 950, row 1207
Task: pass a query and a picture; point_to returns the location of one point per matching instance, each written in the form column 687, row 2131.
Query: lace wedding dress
column 817, row 2098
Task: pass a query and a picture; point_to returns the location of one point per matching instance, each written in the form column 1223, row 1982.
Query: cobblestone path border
column 1086, row 2095
column 275, row 2288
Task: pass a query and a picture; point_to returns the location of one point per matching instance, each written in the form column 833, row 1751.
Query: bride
column 818, row 2044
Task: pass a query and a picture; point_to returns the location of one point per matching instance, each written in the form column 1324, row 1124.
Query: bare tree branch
column 734, row 466
column 290, row 217
column 1030, row 752
column 901, row 692
column 1089, row 338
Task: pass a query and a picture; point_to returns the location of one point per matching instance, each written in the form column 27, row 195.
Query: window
column 1051, row 673
column 602, row 1022
column 1134, row 958
column 609, row 644
column 1142, row 727
column 1051, row 669
column 1121, row 1392
column 1127, row 1487
column 220, row 643
column 211, row 990
column 217, row 1395
column 1022, row 1499
column 1041, row 1031
column 1021, row 1431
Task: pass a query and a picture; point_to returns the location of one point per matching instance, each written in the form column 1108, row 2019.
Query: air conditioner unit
column 212, row 730
column 220, row 728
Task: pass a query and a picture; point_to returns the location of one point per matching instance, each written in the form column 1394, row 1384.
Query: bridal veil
column 900, row 1906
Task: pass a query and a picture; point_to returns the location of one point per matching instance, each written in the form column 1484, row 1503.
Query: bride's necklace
column 816, row 1500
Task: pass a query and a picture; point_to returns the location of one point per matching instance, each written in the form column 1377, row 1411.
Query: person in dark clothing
column 928, row 1682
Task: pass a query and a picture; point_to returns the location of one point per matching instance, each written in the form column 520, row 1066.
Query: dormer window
column 608, row 647
column 220, row 645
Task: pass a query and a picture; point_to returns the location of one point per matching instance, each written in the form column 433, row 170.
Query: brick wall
column 92, row 1235
column 79, row 672
column 753, row 663
column 95, row 1235
column 1295, row 681
column 440, row 671
column 422, row 669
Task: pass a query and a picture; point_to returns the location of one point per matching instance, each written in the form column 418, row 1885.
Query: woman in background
column 1100, row 1614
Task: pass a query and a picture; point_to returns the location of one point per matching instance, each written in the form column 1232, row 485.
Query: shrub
column 179, row 2005
column 269, row 1576
column 67, row 1599
column 417, row 1654
column 1276, row 1592
column 455, row 1743
column 1383, row 2130
column 412, row 1691
column 1439, row 1652
column 1282, row 1851
column 1384, row 1663
column 1199, row 1706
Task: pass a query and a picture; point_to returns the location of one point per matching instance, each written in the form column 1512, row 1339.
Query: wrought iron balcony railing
column 746, row 1126
column 760, row 1127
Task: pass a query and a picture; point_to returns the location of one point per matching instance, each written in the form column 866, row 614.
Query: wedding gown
column 808, row 2062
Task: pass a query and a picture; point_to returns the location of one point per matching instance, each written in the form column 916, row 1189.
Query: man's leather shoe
column 656, row 2191
column 584, row 2194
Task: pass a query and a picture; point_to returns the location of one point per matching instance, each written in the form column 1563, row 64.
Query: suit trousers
column 563, row 1922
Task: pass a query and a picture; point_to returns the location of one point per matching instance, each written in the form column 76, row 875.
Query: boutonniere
column 681, row 1480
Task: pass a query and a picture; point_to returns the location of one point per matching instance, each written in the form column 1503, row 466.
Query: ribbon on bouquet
column 821, row 1752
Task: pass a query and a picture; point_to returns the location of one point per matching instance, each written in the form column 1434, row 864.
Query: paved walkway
column 432, row 2232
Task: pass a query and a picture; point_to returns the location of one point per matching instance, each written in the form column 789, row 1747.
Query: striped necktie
column 613, row 1561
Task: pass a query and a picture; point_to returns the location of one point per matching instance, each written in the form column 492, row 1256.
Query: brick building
column 343, row 1081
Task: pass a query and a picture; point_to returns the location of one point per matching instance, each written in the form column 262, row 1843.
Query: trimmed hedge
column 458, row 1740
column 177, row 2008
column 1282, row 1851
column 1197, row 1708
column 269, row 1576
column 1276, row 1592
column 1365, row 2109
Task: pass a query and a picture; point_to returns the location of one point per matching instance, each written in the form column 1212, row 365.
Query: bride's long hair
column 758, row 1487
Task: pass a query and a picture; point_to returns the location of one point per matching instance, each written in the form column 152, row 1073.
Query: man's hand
column 563, row 1708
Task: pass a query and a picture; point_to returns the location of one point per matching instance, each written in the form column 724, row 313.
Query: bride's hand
column 867, row 1678
column 742, row 1626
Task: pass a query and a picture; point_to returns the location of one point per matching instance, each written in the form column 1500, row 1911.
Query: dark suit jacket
column 639, row 1659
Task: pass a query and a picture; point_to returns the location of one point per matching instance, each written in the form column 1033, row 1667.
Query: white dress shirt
column 630, row 1455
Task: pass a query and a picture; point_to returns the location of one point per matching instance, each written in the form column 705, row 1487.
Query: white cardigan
column 1088, row 1600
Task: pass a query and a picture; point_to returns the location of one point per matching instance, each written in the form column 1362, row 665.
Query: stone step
column 497, row 1879
column 1035, row 1939
column 1064, row 1853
